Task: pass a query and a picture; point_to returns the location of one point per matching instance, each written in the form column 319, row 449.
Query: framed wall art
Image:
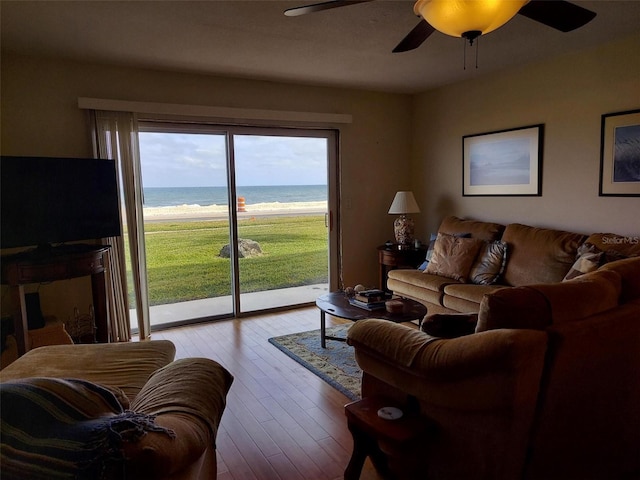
column 620, row 154
column 507, row 162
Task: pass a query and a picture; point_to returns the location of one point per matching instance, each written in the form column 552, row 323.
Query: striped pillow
column 65, row 428
column 589, row 258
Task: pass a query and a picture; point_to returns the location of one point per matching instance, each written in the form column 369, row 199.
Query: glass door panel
column 186, row 218
column 282, row 216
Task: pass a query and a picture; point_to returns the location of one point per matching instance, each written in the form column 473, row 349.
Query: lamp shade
column 403, row 203
column 459, row 17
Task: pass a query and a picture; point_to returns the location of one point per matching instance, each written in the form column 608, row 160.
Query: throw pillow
column 516, row 307
column 427, row 258
column 432, row 242
column 490, row 263
column 453, row 256
column 589, row 258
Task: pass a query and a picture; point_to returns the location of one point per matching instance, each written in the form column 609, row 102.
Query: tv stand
column 46, row 250
column 49, row 265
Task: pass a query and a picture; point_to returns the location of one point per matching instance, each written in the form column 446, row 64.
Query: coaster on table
column 390, row 413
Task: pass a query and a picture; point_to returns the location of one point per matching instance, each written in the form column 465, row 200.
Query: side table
column 61, row 263
column 392, row 256
column 392, row 445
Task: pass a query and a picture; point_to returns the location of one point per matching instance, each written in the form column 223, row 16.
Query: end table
column 392, row 256
column 391, row 444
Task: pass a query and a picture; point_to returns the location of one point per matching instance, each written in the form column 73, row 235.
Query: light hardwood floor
column 281, row 421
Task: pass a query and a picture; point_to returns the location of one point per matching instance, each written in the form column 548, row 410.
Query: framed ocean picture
column 506, row 162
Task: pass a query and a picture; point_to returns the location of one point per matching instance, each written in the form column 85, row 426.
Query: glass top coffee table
column 337, row 304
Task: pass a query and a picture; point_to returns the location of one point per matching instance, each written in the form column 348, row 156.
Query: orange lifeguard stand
column 241, row 205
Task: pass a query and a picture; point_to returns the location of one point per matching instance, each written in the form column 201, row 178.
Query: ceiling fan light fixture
column 459, row 17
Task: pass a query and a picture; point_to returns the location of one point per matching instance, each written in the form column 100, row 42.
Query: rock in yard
column 246, row 248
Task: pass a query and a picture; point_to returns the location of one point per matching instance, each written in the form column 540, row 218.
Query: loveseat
column 470, row 258
column 545, row 386
column 120, row 410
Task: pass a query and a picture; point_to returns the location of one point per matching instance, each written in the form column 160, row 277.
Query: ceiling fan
column 471, row 18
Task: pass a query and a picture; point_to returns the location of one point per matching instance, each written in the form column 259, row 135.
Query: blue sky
column 199, row 160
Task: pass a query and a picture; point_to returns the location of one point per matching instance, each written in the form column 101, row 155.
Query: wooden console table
column 59, row 263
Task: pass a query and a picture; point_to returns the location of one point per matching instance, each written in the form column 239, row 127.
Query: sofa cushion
column 490, row 263
column 466, row 297
column 425, row 281
column 453, row 256
column 518, row 307
column 469, row 292
column 583, row 296
column 457, row 304
column 127, row 365
column 538, row 306
column 486, row 231
column 417, row 285
column 629, row 271
column 539, row 255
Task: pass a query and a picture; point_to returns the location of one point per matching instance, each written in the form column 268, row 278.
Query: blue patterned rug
column 335, row 364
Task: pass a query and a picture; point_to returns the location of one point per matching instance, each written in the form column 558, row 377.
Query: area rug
column 335, row 364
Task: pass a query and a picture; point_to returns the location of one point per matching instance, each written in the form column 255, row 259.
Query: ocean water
column 205, row 196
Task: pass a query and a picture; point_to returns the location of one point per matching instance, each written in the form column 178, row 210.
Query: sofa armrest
column 189, row 397
column 418, row 364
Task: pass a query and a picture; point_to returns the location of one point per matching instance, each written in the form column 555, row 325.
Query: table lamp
column 403, row 226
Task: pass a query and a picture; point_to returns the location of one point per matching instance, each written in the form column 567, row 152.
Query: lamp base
column 403, row 228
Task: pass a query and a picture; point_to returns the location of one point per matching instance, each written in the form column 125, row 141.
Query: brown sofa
column 532, row 255
column 547, row 388
column 167, row 412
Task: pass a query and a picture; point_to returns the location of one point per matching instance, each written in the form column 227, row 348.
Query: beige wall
column 568, row 95
column 40, row 117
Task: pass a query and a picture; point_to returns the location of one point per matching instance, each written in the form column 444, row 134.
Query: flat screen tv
column 48, row 201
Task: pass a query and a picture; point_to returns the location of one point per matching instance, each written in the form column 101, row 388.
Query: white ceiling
column 347, row 47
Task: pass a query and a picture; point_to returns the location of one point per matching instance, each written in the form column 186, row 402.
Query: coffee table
column 337, row 304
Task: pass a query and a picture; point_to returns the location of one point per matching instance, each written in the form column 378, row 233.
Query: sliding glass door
column 236, row 220
column 186, row 218
column 282, row 182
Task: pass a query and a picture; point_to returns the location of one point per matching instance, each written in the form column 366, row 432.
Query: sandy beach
column 216, row 212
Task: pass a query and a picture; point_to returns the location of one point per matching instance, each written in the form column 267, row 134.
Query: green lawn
column 183, row 261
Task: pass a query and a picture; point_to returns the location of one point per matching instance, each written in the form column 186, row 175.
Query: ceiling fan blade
column 558, row 14
column 415, row 37
column 318, row 7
